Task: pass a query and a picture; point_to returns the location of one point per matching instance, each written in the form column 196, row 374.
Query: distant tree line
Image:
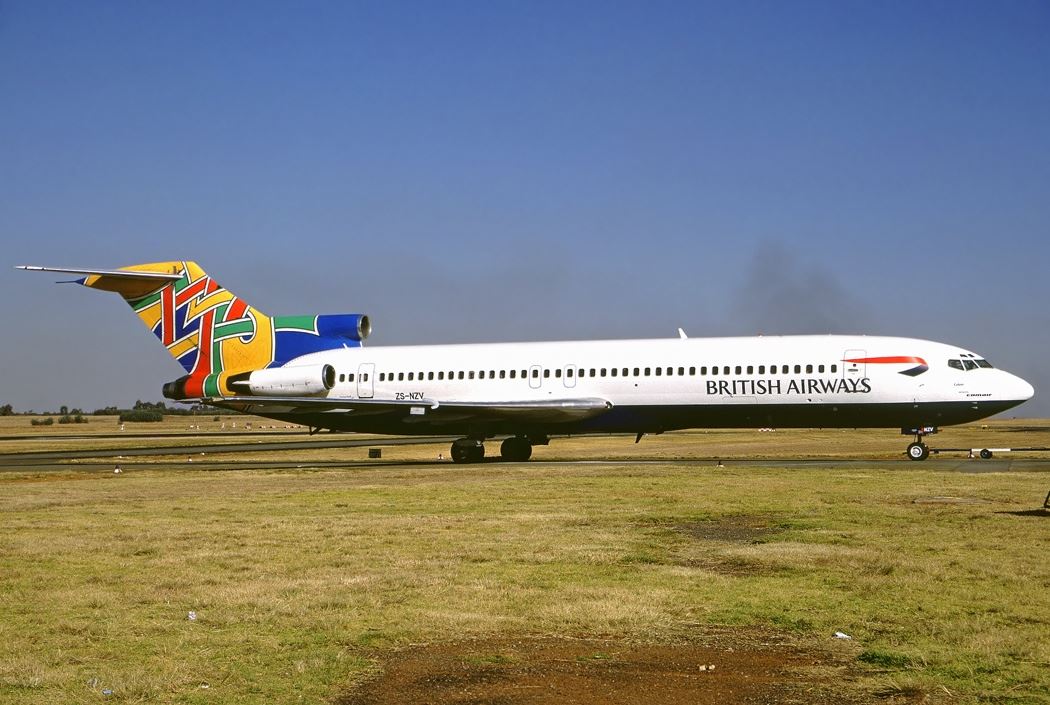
column 141, row 411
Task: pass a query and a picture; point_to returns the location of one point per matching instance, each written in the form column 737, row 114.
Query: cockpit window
column 969, row 363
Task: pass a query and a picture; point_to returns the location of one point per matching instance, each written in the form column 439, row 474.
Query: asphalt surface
column 194, row 457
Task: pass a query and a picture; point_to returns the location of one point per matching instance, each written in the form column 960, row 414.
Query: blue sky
column 527, row 170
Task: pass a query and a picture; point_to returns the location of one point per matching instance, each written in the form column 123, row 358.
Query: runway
column 194, row 457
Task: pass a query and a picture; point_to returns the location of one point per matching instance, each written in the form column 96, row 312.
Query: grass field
column 304, row 583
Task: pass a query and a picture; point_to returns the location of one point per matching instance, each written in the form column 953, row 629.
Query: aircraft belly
column 656, row 418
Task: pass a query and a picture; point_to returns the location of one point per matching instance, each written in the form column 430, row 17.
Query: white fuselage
column 655, row 385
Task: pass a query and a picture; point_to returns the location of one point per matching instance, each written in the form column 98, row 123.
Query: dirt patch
column 745, row 528
column 593, row 671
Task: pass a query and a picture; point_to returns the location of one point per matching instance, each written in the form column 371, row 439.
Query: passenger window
column 557, row 373
column 648, row 371
column 761, row 369
column 364, row 377
column 692, row 371
column 809, row 369
column 636, row 371
column 492, row 374
column 502, row 374
column 460, row 374
column 785, row 369
column 725, row 369
column 798, row 368
column 342, row 377
column 612, row 372
column 603, row 372
column 535, row 374
column 659, row 371
column 834, row 368
column 750, row 369
column 625, row 371
column 350, row 377
column 410, row 376
column 714, row 370
column 681, row 371
column 546, row 374
column 430, row 376
column 513, row 374
column 441, row 375
column 820, row 369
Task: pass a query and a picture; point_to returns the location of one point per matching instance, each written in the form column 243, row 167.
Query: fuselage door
column 535, row 376
column 366, row 373
column 853, row 365
column 569, row 376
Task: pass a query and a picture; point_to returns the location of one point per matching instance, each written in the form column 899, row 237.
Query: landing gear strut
column 467, row 450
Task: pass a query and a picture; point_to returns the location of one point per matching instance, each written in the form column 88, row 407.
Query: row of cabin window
column 595, row 372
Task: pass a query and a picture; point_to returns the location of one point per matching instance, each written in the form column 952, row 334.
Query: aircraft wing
column 419, row 410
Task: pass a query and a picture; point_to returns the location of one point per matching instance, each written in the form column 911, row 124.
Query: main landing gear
column 467, row 450
column 516, row 449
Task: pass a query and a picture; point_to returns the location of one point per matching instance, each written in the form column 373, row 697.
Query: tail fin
column 211, row 332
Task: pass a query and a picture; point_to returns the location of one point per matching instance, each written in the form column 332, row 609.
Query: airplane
column 314, row 371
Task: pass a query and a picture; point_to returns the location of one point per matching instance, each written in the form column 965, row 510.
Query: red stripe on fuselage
column 895, row 360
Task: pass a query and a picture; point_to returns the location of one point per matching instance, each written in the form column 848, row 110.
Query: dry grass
column 301, row 580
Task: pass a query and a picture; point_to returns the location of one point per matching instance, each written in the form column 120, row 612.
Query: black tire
column 986, row 454
column 516, row 450
column 460, row 454
column 918, row 451
column 466, row 450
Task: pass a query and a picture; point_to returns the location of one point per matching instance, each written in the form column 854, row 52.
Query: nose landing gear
column 918, row 450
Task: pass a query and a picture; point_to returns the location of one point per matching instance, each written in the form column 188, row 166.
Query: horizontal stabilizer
column 158, row 276
column 129, row 283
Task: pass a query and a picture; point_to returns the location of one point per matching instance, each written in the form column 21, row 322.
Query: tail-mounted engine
column 307, row 380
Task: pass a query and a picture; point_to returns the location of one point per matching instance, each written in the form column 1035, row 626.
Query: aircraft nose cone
column 1026, row 390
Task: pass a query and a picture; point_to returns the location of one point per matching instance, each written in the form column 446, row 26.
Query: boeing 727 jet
column 313, row 370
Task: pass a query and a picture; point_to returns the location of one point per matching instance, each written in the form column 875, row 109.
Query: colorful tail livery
column 211, row 332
